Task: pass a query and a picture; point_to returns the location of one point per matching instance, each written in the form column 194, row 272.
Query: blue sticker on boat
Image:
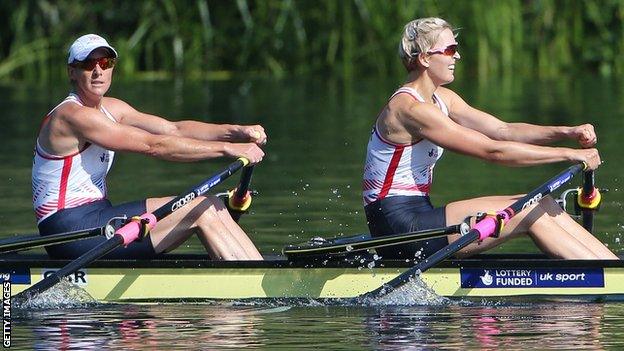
column 532, row 278
column 17, row 276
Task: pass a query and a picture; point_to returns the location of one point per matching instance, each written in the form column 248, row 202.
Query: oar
column 36, row 240
column 481, row 230
column 135, row 228
column 344, row 245
column 239, row 199
column 588, row 200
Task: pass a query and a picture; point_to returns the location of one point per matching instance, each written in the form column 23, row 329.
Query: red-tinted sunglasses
column 450, row 50
column 89, row 64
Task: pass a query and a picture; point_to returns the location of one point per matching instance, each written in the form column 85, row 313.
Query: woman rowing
column 75, row 149
column 422, row 119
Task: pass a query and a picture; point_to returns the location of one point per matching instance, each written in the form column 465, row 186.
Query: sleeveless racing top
column 400, row 169
column 60, row 182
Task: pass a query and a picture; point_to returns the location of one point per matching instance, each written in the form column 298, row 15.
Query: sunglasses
column 450, row 50
column 89, row 64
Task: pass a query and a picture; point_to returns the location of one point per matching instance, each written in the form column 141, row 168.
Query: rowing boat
column 338, row 268
column 194, row 278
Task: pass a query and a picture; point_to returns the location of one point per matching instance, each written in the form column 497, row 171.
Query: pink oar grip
column 487, row 226
column 130, row 232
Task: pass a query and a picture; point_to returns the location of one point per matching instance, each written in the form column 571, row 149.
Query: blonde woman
column 422, row 119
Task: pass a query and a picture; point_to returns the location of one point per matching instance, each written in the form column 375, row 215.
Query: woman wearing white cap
column 75, row 149
column 422, row 119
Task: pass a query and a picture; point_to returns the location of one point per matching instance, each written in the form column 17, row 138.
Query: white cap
column 83, row 46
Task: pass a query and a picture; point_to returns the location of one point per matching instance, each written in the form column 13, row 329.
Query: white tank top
column 60, row 182
column 400, row 169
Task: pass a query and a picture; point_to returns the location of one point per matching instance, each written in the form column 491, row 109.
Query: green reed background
column 276, row 38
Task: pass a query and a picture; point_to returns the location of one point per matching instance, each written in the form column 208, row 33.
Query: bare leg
column 574, row 228
column 220, row 237
column 236, row 231
column 547, row 227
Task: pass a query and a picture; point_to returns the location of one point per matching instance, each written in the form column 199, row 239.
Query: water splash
column 61, row 296
column 415, row 293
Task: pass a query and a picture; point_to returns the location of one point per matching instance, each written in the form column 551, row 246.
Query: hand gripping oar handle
column 132, row 230
column 483, row 229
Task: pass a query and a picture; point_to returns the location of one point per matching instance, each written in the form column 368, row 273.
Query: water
column 223, row 326
column 309, row 186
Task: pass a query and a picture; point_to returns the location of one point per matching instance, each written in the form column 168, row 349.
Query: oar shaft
column 358, row 243
column 199, row 190
column 424, row 265
column 546, row 188
column 99, row 251
column 33, row 241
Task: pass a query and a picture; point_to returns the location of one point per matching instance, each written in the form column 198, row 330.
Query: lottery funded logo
column 532, row 278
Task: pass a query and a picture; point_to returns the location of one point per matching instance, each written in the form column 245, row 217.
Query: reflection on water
column 533, row 326
column 203, row 326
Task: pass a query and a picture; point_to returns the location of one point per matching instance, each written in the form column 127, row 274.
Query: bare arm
column 93, row 126
column 427, row 121
column 494, row 128
column 128, row 115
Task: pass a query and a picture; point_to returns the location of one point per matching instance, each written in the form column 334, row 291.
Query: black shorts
column 92, row 215
column 403, row 214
